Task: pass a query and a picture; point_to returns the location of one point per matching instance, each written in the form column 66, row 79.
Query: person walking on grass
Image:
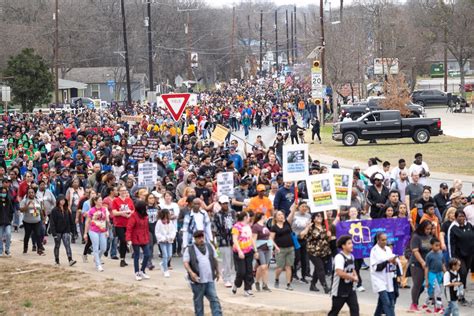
column 165, row 232
column 200, row 261
column 61, row 225
column 138, row 237
column 6, row 217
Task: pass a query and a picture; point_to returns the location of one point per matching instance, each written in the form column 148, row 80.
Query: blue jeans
column 5, row 232
column 385, row 304
column 452, row 309
column 112, row 243
column 209, row 290
column 99, row 244
column 136, row 257
column 167, row 253
column 246, row 130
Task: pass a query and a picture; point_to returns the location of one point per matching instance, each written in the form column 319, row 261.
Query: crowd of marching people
column 73, row 178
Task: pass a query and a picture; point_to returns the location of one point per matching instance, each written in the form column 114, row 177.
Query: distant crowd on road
column 75, row 179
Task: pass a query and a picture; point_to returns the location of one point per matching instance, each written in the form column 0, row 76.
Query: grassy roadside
column 443, row 153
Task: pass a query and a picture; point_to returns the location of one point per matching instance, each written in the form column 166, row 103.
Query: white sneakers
column 100, row 269
column 166, row 274
column 141, row 276
column 138, row 276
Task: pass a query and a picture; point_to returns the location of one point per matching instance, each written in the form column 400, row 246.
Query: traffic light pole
column 323, row 62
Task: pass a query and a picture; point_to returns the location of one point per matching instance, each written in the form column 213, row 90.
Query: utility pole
column 296, row 38
column 125, row 44
column 250, row 31
column 261, row 42
column 150, row 47
column 445, row 58
column 232, row 43
column 292, row 39
column 323, row 50
column 287, row 39
column 276, row 39
column 305, row 33
column 56, row 53
column 188, row 41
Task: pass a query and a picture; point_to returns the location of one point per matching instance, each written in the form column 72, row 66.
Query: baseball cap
column 378, row 176
column 224, row 199
column 443, row 185
column 261, row 187
column 201, row 178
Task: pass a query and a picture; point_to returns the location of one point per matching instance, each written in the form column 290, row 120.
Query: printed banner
column 295, row 162
column 225, row 184
column 343, row 185
column 321, row 192
column 363, row 234
column 219, row 134
column 131, row 118
column 147, row 174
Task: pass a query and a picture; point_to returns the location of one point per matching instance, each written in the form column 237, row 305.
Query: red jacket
column 137, row 230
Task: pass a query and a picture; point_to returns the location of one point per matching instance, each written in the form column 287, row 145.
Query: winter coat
column 6, row 212
column 137, row 229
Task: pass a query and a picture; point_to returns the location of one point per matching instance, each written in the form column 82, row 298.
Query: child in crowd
column 453, row 287
column 434, row 275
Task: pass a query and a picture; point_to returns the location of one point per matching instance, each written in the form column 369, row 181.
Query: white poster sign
column 321, row 192
column 147, row 174
column 166, row 153
column 225, row 184
column 343, row 185
column 295, row 162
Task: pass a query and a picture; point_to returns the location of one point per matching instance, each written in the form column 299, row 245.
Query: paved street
column 301, row 299
column 454, row 124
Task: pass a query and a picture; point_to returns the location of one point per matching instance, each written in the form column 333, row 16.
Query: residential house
column 109, row 83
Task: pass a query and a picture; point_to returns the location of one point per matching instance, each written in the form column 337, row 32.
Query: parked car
column 386, row 124
column 468, row 87
column 429, row 97
column 374, row 104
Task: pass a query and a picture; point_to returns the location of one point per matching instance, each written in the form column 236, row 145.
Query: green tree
column 31, row 81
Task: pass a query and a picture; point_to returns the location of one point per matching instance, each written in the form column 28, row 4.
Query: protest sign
column 363, row 234
column 147, row 174
column 342, row 185
column 295, row 162
column 225, row 184
column 131, row 118
column 219, row 134
column 321, row 192
column 138, row 152
column 166, row 153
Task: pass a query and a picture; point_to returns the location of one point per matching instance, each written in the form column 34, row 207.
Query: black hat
column 443, row 185
column 229, row 163
column 200, row 178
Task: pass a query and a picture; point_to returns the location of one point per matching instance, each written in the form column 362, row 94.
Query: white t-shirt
column 419, row 168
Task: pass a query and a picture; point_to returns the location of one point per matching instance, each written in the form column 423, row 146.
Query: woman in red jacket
column 122, row 210
column 138, row 237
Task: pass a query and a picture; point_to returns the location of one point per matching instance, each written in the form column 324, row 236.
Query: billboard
column 385, row 65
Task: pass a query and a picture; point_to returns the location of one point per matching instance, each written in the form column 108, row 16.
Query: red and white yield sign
column 176, row 103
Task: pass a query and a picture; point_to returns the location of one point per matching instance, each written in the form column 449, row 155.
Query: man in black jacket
column 6, row 217
column 61, row 225
column 377, row 196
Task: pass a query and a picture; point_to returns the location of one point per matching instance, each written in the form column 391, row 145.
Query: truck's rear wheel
column 350, row 139
column 421, row 136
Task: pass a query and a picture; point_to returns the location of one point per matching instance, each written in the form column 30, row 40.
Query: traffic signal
column 316, row 64
column 318, row 101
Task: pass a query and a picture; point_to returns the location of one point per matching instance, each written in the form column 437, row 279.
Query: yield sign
column 176, row 103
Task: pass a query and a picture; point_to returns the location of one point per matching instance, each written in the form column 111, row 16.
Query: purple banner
column 363, row 234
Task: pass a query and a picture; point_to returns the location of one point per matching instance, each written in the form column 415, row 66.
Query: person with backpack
column 342, row 289
column 195, row 220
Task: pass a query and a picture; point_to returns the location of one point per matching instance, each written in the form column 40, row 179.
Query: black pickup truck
column 386, row 124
